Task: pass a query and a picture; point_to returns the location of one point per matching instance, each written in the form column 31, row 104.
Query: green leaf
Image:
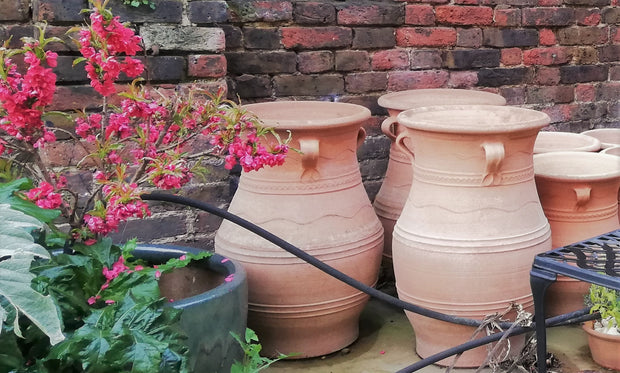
column 15, row 279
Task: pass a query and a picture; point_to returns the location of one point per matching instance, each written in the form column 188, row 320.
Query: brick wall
column 558, row 56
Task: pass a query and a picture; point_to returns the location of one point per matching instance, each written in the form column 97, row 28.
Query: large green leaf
column 15, row 233
column 15, row 279
column 7, row 196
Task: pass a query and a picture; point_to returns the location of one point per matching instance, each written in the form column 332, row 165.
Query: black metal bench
column 595, row 260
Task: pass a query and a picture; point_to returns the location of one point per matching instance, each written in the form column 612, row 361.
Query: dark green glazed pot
column 212, row 307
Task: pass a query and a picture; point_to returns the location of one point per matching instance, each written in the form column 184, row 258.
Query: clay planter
column 609, row 136
column 472, row 224
column 579, row 194
column 212, row 308
column 317, row 202
column 565, row 141
column 605, row 348
column 391, row 197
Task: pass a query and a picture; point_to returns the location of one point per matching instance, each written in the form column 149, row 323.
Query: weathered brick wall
column 558, row 56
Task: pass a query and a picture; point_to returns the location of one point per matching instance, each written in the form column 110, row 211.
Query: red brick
column 546, row 56
column 513, row 95
column 462, row 79
column 207, row 65
column 469, row 37
column 547, row 76
column 365, row 82
column 422, row 15
column 464, row 15
column 547, row 37
column 315, row 62
column 588, row 17
column 425, row 37
column 375, row 14
column 402, row 80
column 75, row 97
column 511, row 56
column 549, row 94
column 14, row 10
column 552, row 16
column 507, row 17
column 560, row 113
column 316, row 37
column 585, row 92
column 615, row 35
column 349, row 60
column 393, row 59
column 550, row 2
column 475, row 2
column 426, row 59
column 582, row 36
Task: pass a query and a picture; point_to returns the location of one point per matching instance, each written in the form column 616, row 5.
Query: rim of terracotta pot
column 588, row 326
column 609, row 136
column 614, row 150
column 304, row 114
column 413, row 98
column 216, row 262
column 551, row 141
column 581, row 166
column 472, row 119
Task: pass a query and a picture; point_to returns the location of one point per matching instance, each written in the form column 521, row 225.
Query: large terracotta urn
column 391, row 197
column 472, row 223
column 579, row 195
column 614, row 150
column 317, row 202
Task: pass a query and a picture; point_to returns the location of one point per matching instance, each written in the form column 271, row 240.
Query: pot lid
column 303, row 114
column 472, row 119
column 414, row 98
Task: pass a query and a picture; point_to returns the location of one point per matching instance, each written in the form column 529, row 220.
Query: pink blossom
column 229, row 278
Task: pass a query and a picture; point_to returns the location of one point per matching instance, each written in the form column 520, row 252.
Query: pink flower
column 183, row 257
column 229, row 278
column 110, row 301
column 44, row 196
column 157, row 274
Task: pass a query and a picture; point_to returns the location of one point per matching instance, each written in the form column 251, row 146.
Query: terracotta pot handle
column 583, row 195
column 361, row 136
column 402, row 146
column 388, row 127
column 310, row 153
column 494, row 155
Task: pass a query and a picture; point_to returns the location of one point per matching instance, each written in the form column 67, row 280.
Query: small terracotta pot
column 579, row 194
column 548, row 141
column 605, row 348
column 609, row 136
column 394, row 190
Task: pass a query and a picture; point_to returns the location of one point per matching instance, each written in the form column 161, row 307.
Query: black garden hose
column 570, row 318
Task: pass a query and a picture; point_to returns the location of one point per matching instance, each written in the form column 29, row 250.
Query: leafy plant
column 106, row 302
column 252, row 361
column 607, row 302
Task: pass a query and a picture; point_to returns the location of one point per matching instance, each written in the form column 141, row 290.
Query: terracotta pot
column 579, row 194
column 547, row 141
column 609, row 136
column 472, row 224
column 605, row 348
column 614, row 150
column 391, row 197
column 316, row 201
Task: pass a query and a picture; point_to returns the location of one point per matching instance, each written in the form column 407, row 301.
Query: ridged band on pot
column 316, row 201
column 392, row 194
column 614, row 150
column 472, row 224
column 209, row 316
column 579, row 195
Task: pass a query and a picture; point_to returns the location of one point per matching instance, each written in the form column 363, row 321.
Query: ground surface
column 386, row 345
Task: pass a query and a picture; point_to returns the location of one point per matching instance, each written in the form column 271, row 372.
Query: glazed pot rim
column 557, row 165
column 584, row 142
column 473, row 119
column 413, row 98
column 588, row 326
column 308, row 114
